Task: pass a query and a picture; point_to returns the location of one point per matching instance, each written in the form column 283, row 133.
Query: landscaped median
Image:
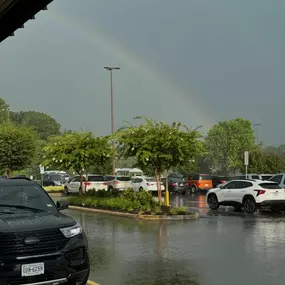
column 136, row 205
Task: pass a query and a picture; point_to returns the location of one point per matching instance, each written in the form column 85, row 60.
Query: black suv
column 38, row 244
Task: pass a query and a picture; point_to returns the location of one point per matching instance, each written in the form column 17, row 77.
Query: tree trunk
column 86, row 173
column 9, row 173
column 158, row 184
column 81, row 185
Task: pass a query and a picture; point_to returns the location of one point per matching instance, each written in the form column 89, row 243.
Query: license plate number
column 206, row 184
column 33, row 269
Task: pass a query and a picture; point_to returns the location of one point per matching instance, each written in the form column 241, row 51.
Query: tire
column 213, row 202
column 65, row 191
column 110, row 189
column 140, row 189
column 249, row 205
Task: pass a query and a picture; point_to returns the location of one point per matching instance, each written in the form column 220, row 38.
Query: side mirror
column 62, row 205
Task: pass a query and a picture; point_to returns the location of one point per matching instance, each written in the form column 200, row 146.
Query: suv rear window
column 270, row 186
column 122, row 178
column 205, row 177
column 96, row 178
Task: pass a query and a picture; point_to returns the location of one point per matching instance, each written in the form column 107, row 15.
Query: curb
column 192, row 216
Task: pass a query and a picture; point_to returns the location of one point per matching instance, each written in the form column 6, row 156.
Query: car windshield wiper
column 22, row 207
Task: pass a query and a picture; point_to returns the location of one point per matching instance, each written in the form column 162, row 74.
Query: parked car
column 93, row 182
column 280, row 179
column 118, row 182
column 248, row 176
column 175, row 184
column 217, row 180
column 266, row 176
column 58, row 179
column 146, row 183
column 197, row 182
column 249, row 194
column 46, row 246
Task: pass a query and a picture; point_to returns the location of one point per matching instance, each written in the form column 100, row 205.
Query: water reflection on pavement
column 221, row 248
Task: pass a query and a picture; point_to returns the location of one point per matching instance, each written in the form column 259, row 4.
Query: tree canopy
column 226, row 143
column 42, row 123
column 17, row 147
column 158, row 145
column 77, row 151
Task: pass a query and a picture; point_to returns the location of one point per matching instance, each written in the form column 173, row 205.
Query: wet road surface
column 223, row 247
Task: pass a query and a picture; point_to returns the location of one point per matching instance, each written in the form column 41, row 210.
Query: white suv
column 249, row 194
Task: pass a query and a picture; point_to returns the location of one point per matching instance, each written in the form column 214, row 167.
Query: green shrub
column 178, row 211
column 129, row 194
column 98, row 193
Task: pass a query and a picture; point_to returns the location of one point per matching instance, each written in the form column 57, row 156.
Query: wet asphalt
column 221, row 248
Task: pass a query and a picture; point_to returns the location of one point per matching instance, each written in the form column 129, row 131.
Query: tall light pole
column 256, row 126
column 110, row 69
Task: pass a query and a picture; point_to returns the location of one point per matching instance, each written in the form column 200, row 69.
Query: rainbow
column 128, row 58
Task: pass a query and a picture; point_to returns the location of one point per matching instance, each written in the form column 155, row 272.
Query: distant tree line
column 30, row 138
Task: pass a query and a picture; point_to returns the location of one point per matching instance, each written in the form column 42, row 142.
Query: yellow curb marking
column 92, row 282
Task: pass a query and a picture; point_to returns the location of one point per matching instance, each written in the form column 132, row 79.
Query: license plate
column 33, row 269
column 181, row 184
column 206, row 184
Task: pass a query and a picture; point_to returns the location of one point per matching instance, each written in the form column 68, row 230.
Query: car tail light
column 223, row 181
column 105, row 183
column 198, row 184
column 88, row 183
column 116, row 182
column 260, row 192
column 149, row 184
column 174, row 184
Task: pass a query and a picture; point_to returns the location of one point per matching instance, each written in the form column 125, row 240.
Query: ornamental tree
column 17, row 147
column 77, row 151
column 226, row 143
column 158, row 145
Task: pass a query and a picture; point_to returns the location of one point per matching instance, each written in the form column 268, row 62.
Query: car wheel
column 110, row 189
column 213, row 202
column 140, row 189
column 249, row 205
column 65, row 191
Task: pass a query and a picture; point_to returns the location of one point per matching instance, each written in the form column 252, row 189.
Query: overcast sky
column 195, row 61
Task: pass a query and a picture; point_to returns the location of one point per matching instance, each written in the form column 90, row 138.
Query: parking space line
column 92, row 282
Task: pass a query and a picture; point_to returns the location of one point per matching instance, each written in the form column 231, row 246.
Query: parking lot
column 223, row 247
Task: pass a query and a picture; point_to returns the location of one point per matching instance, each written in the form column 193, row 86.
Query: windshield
column 26, row 196
column 205, row 177
column 150, row 180
column 122, row 178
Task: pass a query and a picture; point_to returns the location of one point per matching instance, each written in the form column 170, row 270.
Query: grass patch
column 54, row 188
column 128, row 201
